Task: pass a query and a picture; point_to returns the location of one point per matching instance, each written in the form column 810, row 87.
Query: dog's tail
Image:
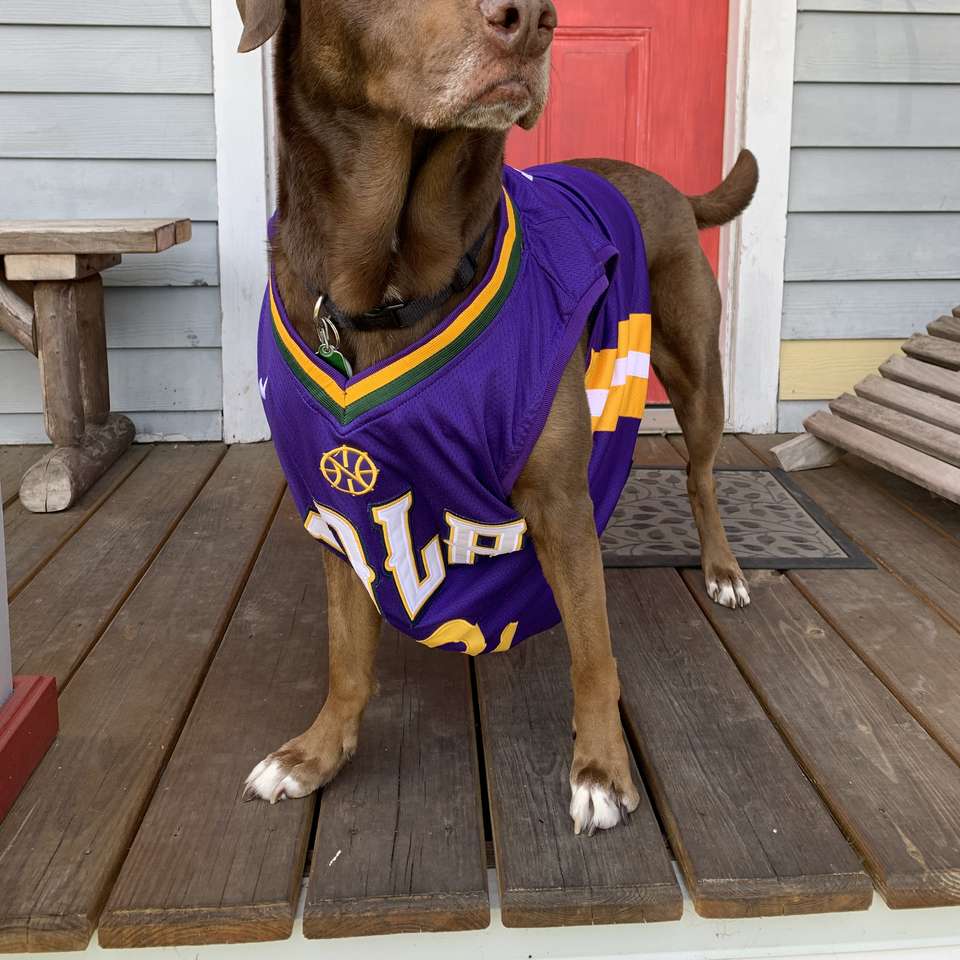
column 732, row 197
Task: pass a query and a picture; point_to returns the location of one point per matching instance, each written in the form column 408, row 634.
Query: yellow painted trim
column 368, row 384
column 824, row 369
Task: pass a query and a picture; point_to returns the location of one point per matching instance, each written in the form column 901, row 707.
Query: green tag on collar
column 336, row 360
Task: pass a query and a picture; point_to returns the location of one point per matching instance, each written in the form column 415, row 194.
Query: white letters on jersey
column 337, row 532
column 463, row 545
column 414, row 591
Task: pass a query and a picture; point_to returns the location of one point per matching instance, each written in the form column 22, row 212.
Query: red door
column 637, row 80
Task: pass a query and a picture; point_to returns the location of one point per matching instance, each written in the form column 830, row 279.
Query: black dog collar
column 401, row 314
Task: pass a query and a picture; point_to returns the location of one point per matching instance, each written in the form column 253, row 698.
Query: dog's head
column 438, row 64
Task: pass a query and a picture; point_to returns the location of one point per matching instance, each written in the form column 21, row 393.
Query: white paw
column 270, row 780
column 593, row 808
column 729, row 594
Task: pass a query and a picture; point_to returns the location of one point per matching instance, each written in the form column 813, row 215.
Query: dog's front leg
column 314, row 758
column 552, row 494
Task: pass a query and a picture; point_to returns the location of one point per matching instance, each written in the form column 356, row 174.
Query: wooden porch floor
column 795, row 755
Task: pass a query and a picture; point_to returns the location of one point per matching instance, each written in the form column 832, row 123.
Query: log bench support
column 72, row 349
column 57, row 264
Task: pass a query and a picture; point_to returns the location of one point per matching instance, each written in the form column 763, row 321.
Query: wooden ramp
column 792, row 757
column 906, row 420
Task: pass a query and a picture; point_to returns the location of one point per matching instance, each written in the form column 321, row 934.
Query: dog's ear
column 261, row 20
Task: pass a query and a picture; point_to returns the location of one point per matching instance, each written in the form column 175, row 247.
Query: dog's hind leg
column 552, row 495
column 314, row 758
column 686, row 356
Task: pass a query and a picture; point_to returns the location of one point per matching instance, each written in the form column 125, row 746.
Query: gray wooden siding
column 106, row 109
column 873, row 236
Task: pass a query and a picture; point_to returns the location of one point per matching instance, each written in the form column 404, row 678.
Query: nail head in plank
column 66, row 836
column 752, row 835
column 87, row 581
column 399, row 844
column 91, row 236
column 923, row 376
column 935, row 350
column 935, row 475
column 893, row 790
column 918, row 434
column 548, row 876
column 206, row 868
column 946, row 327
column 874, row 612
column 924, row 406
column 57, row 266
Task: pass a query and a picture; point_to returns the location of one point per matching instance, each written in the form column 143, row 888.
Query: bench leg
column 87, row 439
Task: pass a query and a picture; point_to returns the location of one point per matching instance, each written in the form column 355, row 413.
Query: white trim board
column 866, row 935
column 242, row 177
column 762, row 49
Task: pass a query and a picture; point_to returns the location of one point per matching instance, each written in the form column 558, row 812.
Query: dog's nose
column 522, row 27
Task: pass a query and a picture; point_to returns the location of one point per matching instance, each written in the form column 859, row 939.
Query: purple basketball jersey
column 405, row 470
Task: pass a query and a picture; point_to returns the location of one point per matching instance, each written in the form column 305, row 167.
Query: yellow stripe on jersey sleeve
column 618, row 377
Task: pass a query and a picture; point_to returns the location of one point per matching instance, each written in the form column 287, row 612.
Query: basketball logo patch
column 349, row 470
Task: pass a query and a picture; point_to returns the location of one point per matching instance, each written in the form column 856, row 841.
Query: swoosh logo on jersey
column 263, row 387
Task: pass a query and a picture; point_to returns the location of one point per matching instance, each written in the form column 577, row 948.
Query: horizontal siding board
column 792, row 413
column 105, row 60
column 876, row 115
column 882, row 6
column 865, row 309
column 81, row 189
column 882, row 180
column 160, row 13
column 823, row 369
column 116, row 126
column 878, row 48
column 151, row 426
column 139, row 380
column 190, row 264
column 873, row 246
column 157, row 317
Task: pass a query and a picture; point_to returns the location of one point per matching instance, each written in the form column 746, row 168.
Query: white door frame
column 759, row 114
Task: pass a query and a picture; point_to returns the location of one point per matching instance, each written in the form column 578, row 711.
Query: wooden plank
column 205, row 868
column 141, row 380
column 48, row 189
column 929, row 472
column 159, row 13
column 14, row 463
column 88, row 580
column 839, row 180
column 923, row 376
column 946, row 327
column 749, row 829
column 99, row 59
column 654, row 450
column 111, row 126
column 893, row 790
column 32, row 539
column 56, row 266
column 805, row 452
column 152, row 426
column 388, row 859
column 86, row 236
column 732, row 452
column 875, row 115
column 193, row 264
column 66, row 836
column 863, row 309
column 916, row 403
column 881, row 47
column 935, row 350
column 874, row 611
column 872, row 246
column 918, row 434
column 823, row 369
column 548, row 876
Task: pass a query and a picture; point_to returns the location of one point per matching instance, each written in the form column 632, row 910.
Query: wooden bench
column 51, row 303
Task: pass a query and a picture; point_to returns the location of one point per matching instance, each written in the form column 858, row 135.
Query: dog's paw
column 276, row 778
column 729, row 592
column 597, row 805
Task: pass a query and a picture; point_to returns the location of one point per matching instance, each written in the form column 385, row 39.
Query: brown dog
column 393, row 118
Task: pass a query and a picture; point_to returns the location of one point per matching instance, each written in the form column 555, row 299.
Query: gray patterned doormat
column 770, row 522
